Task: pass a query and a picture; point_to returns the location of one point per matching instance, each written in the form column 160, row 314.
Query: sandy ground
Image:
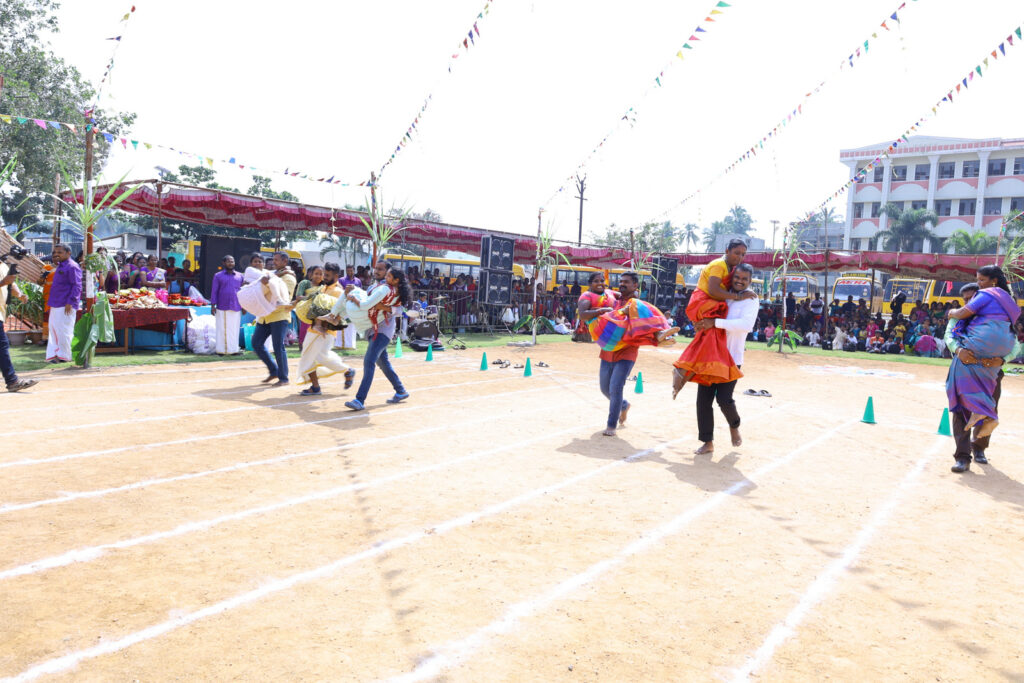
column 187, row 523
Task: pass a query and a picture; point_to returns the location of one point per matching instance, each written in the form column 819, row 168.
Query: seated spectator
column 813, row 339
column 875, row 342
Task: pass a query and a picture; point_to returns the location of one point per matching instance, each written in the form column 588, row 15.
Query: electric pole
column 581, row 185
column 775, row 226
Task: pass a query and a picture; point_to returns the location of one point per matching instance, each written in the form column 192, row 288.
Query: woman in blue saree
column 984, row 333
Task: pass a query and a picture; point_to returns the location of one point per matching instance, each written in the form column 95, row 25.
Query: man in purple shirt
column 65, row 295
column 225, row 308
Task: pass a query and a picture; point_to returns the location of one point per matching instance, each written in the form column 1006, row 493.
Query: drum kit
column 425, row 323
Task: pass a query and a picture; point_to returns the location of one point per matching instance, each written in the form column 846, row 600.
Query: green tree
column 650, row 238
column 711, row 235
column 977, row 242
column 738, row 221
column 38, row 84
column 690, row 233
column 906, row 227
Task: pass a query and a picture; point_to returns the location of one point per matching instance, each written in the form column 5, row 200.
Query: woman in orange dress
column 706, row 360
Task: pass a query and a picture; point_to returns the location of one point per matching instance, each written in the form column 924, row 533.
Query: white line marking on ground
column 451, row 654
column 91, row 553
column 69, row 496
column 204, row 413
column 69, row 661
column 822, row 585
column 226, row 435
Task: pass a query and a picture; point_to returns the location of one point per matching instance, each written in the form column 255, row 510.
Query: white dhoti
column 62, row 329
column 346, row 338
column 228, row 325
column 318, row 356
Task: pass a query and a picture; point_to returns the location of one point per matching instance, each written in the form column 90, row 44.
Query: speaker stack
column 496, row 270
column 664, row 290
column 213, row 249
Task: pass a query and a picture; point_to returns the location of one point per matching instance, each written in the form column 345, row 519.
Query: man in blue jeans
column 615, row 365
column 7, row 286
column 377, row 350
column 276, row 326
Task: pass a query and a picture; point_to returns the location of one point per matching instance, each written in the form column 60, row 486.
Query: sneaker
column 354, row 404
column 19, row 384
column 398, row 398
column 311, row 391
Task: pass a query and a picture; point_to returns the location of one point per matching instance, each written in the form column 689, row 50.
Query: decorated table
column 159, row 323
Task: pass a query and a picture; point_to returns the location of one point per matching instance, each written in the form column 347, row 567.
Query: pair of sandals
column 503, row 363
column 754, row 392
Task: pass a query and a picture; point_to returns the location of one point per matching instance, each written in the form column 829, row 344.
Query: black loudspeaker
column 213, row 249
column 665, row 270
column 495, row 287
column 664, row 297
column 496, row 252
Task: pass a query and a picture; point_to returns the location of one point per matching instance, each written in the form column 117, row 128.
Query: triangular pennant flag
column 1018, row 33
column 985, row 62
column 723, row 4
column 471, row 38
column 687, row 46
column 694, row 38
column 40, row 123
column 124, row 142
column 135, row 144
column 22, row 119
column 476, row 29
column 1002, row 48
column 465, row 43
column 978, row 69
column 709, row 19
column 6, row 118
column 148, row 146
column 701, row 30
column 658, row 81
column 894, row 17
column 995, row 54
column 109, row 138
column 55, row 124
column 679, row 54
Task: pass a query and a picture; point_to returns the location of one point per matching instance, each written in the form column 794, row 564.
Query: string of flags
column 629, row 117
column 845, row 64
column 122, row 25
column 904, row 138
column 128, row 143
column 466, row 43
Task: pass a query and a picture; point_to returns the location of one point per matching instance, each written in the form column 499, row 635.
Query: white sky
column 329, row 88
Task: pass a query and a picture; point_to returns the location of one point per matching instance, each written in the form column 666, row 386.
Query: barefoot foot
column 609, row 432
column 736, row 440
column 623, row 414
column 706, row 449
column 679, row 380
column 665, row 334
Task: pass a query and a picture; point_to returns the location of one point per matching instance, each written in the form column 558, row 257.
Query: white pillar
column 979, row 204
column 883, row 220
column 848, row 228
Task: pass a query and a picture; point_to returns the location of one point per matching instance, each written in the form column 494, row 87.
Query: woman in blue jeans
column 395, row 296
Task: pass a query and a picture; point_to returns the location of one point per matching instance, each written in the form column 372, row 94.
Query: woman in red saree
column 706, row 360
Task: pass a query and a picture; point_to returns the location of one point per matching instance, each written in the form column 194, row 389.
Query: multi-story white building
column 971, row 184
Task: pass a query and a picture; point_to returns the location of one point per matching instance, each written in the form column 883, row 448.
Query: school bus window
column 458, row 270
column 566, row 277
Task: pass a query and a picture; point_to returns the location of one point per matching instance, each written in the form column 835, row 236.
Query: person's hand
column 265, row 279
column 67, row 309
column 705, row 324
column 746, row 294
column 22, row 298
column 967, row 357
column 353, row 298
column 213, row 310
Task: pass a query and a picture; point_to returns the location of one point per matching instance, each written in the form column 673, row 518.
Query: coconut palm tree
column 977, row 242
column 690, row 235
column 738, row 221
column 711, row 235
column 906, row 227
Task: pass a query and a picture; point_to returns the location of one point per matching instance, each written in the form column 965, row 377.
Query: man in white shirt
column 813, row 338
column 737, row 325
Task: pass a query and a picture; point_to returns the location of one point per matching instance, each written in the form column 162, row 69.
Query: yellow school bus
column 859, row 286
column 448, row 268
column 192, row 254
column 580, row 275
column 800, row 285
column 934, row 291
column 757, row 286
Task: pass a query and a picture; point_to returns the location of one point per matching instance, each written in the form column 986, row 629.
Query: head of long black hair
column 996, row 273
column 402, row 286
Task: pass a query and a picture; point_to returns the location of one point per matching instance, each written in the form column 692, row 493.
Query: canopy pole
column 160, row 220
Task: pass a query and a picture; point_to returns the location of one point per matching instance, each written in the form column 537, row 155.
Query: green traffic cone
column 398, row 347
column 528, row 372
column 430, row 352
column 483, row 362
column 944, row 429
column 869, row 412
column 639, row 388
